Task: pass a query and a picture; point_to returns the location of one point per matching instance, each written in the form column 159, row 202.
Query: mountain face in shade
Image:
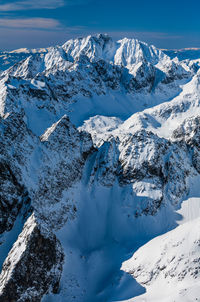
column 99, row 174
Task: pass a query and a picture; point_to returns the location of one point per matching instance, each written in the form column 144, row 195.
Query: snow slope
column 168, row 266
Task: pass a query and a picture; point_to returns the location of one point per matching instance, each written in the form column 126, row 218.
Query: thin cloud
column 39, row 4
column 31, row 4
column 30, row 23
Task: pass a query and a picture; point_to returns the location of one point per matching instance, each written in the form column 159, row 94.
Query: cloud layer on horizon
column 30, row 23
column 38, row 4
column 31, row 4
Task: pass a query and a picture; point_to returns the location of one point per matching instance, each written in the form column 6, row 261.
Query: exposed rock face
column 12, row 197
column 189, row 131
column 99, row 141
column 64, row 152
column 16, row 145
column 33, row 266
column 143, row 158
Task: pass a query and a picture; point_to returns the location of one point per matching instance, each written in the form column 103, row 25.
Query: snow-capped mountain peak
column 125, row 52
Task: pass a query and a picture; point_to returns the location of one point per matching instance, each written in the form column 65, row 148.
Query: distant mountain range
column 184, row 54
column 9, row 58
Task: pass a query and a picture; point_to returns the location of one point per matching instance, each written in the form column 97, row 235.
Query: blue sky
column 41, row 23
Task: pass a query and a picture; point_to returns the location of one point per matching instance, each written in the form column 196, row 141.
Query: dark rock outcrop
column 33, row 266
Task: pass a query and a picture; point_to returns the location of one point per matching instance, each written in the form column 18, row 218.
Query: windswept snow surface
column 190, row 207
column 103, row 139
column 168, row 266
